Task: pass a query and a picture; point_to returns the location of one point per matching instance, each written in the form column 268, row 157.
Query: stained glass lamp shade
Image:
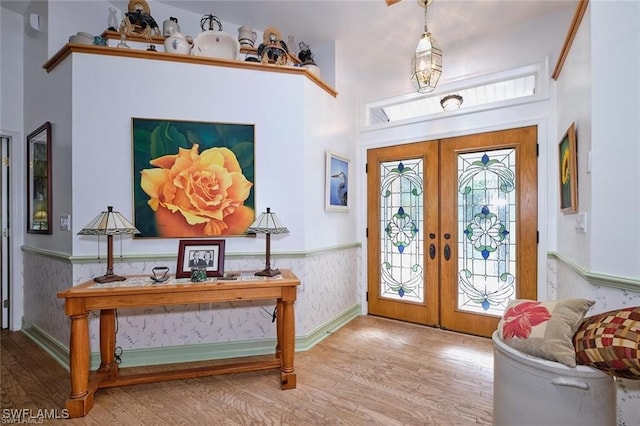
column 109, row 223
column 268, row 223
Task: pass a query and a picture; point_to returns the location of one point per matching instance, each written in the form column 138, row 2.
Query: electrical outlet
column 65, row 223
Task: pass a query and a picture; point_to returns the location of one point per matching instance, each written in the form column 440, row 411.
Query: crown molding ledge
column 70, row 48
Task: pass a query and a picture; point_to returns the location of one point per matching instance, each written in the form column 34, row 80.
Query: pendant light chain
column 426, row 4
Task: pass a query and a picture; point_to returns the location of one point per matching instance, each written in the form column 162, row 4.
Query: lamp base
column 268, row 272
column 109, row 278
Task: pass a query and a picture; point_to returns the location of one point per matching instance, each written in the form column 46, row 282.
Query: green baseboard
column 53, row 347
column 190, row 353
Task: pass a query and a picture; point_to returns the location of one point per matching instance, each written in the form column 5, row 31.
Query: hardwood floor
column 373, row 371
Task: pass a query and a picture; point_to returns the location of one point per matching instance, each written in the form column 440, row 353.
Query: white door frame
column 15, row 205
column 4, row 231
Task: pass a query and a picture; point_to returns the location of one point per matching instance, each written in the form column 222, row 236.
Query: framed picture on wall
column 39, row 180
column 568, row 154
column 192, row 179
column 337, row 182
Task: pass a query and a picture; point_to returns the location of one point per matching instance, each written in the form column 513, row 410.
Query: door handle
column 432, row 251
column 447, row 247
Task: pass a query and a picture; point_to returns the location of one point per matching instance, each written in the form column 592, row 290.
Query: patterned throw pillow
column 611, row 342
column 544, row 329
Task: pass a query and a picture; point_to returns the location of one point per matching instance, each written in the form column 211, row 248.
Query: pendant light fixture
column 426, row 66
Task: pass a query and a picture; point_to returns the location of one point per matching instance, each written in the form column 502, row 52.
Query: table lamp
column 109, row 223
column 268, row 223
column 40, row 219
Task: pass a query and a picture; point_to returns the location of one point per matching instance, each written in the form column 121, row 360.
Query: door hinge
column 366, row 168
column 366, row 233
column 366, row 297
column 5, row 304
column 5, row 161
column 537, row 237
column 537, row 150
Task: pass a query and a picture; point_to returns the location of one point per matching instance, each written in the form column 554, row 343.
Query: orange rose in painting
column 198, row 194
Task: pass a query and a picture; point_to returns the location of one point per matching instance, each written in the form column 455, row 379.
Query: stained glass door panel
column 490, row 217
column 403, row 205
column 401, row 220
column 486, row 230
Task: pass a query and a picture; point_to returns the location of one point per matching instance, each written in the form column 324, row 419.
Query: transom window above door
column 507, row 88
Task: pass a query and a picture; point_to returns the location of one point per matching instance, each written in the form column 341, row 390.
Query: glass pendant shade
column 426, row 66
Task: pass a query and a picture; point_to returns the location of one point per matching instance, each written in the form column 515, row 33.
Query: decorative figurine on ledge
column 139, row 20
column 273, row 50
column 306, row 57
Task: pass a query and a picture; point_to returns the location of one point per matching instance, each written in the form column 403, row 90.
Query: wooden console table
column 90, row 296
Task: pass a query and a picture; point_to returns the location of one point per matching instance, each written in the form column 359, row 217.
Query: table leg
column 79, row 355
column 108, row 342
column 279, row 309
column 287, row 372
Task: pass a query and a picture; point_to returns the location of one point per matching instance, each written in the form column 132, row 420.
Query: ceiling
column 361, row 22
column 369, row 28
column 372, row 30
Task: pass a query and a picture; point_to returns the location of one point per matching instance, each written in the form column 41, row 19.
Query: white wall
column 607, row 126
column 574, row 106
column 178, row 91
column 615, row 151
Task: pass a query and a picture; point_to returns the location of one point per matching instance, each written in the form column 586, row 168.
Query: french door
column 452, row 229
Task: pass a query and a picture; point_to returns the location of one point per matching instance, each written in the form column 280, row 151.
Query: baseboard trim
column 190, row 353
column 50, row 345
column 320, row 333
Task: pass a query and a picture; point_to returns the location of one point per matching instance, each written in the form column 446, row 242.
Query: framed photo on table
column 567, row 150
column 337, row 183
column 208, row 254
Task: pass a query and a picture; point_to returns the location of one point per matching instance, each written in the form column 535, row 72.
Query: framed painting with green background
column 192, row 179
column 568, row 172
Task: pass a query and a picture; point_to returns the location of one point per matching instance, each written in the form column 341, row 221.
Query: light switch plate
column 581, row 223
column 65, row 223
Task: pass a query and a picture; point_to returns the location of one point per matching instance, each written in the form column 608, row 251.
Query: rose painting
column 192, row 179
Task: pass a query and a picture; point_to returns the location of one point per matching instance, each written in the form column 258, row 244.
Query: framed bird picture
column 337, row 183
